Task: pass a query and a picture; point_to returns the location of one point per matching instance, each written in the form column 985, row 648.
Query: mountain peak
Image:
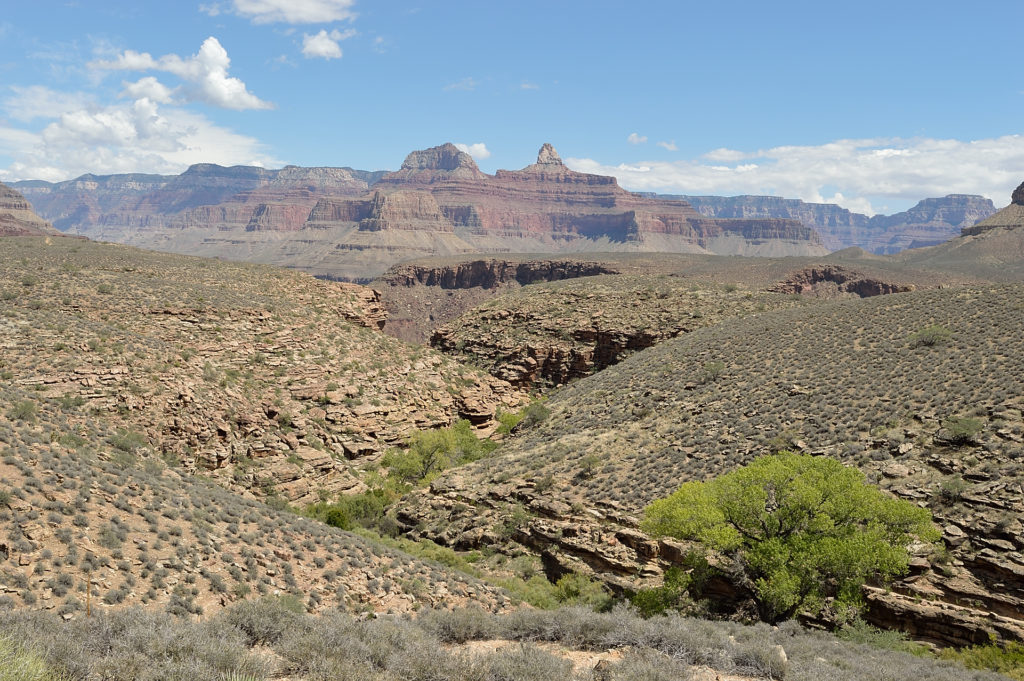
column 1018, row 195
column 547, row 156
column 445, row 157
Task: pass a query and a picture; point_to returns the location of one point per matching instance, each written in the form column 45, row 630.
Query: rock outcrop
column 930, row 222
column 17, row 217
column 828, row 281
column 491, row 273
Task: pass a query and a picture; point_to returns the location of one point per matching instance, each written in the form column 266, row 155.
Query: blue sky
column 872, row 105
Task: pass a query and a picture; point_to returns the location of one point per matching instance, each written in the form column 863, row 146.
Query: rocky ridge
column 1010, row 217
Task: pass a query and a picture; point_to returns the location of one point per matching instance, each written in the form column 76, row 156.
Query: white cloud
column 851, row 173
column 636, row 139
column 479, row 151
column 671, row 146
column 37, row 101
column 205, row 74
column 124, row 138
column 325, row 45
column 727, row 155
column 467, row 84
column 528, row 86
column 150, row 88
column 380, row 45
column 287, row 11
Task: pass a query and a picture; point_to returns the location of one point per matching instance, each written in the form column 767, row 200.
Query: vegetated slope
column 546, row 335
column 854, row 379
column 268, row 381
column 257, row 641
column 80, row 505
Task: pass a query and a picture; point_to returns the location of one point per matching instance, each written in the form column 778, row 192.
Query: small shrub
column 930, row 336
column 962, row 430
column 23, row 410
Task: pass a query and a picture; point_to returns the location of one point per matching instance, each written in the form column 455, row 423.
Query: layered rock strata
column 323, row 220
column 930, row 222
column 17, row 217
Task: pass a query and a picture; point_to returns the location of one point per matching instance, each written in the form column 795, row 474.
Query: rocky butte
column 341, row 223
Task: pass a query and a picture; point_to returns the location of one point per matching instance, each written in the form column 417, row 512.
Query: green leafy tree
column 432, row 451
column 798, row 528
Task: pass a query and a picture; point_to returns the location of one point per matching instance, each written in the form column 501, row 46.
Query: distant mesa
column 932, row 221
column 348, row 224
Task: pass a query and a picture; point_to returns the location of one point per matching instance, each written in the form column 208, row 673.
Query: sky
column 870, row 105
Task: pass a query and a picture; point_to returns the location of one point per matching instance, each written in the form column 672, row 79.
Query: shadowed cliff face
column 491, row 273
column 1018, row 195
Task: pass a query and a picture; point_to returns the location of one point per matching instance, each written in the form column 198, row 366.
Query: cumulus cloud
column 671, row 146
column 205, row 75
column 126, row 137
column 636, row 139
column 286, row 11
column 854, row 173
column 325, row 45
column 150, row 88
column 479, row 151
column 467, row 84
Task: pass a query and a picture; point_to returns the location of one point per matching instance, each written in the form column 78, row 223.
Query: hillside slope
column 267, row 380
column 847, row 379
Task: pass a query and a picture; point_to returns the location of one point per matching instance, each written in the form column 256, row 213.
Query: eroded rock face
column 17, row 217
column 831, row 280
column 554, row 207
column 548, row 156
column 1018, row 195
column 490, row 273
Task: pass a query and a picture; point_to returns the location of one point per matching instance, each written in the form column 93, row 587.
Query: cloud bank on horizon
column 856, row 174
